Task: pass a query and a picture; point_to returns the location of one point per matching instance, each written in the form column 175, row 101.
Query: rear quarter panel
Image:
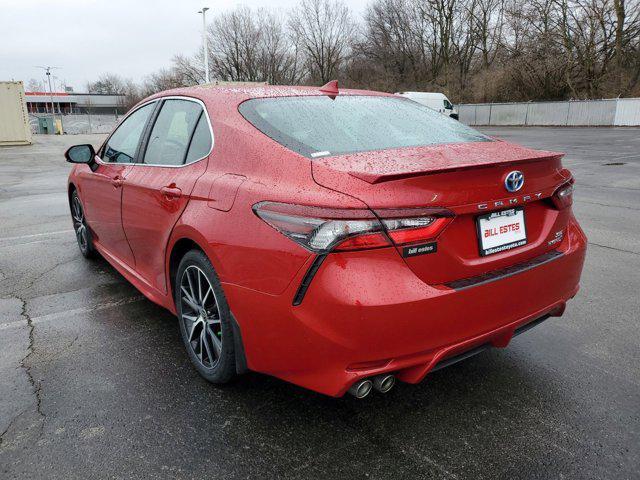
column 244, row 250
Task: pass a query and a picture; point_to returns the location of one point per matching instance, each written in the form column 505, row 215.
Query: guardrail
column 607, row 112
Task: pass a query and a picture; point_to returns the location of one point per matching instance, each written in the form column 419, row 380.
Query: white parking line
column 22, row 237
column 67, row 313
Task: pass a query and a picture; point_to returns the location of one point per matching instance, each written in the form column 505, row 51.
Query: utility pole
column 47, row 70
column 204, row 43
column 44, row 90
column 55, row 87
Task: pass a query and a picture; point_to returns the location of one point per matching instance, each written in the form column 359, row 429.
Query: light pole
column 204, row 43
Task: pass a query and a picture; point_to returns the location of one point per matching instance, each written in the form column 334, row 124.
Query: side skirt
column 149, row 291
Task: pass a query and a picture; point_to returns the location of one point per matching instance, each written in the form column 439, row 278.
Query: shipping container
column 14, row 120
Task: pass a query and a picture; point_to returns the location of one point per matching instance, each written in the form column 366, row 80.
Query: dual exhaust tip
column 382, row 383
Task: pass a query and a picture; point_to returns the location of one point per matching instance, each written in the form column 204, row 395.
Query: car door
column 157, row 190
column 448, row 107
column 101, row 187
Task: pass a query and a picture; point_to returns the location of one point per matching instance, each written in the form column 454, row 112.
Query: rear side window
column 201, row 140
column 122, row 145
column 171, row 132
column 317, row 126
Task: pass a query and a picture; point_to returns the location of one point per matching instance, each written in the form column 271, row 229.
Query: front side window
column 448, row 105
column 122, row 145
column 317, row 126
column 172, row 132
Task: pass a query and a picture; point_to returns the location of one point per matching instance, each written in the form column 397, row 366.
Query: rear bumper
column 366, row 313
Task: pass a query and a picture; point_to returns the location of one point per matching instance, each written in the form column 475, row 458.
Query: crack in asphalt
column 36, row 386
column 609, row 205
column 614, row 248
column 49, row 270
column 608, row 186
column 29, row 285
column 13, row 420
column 69, row 345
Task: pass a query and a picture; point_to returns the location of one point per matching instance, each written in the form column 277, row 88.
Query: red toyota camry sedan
column 336, row 239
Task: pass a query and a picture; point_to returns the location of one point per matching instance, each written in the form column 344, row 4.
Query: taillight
column 413, row 225
column 563, row 196
column 322, row 230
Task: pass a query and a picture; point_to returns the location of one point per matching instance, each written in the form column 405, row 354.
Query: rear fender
column 186, row 232
column 182, row 231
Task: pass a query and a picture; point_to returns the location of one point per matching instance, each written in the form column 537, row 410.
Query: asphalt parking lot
column 94, row 382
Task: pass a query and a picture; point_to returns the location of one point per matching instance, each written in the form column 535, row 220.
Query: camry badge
column 514, row 181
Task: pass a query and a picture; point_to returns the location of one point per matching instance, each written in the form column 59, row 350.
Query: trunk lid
column 467, row 179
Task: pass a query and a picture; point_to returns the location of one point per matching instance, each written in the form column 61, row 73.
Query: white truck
column 437, row 101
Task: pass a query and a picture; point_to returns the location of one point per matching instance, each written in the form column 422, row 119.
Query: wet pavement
column 94, row 382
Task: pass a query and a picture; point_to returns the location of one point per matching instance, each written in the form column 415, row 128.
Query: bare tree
column 442, row 15
column 465, row 41
column 164, row 79
column 107, row 83
column 234, row 45
column 113, row 84
column 323, row 29
column 390, row 39
column 34, row 85
column 189, row 69
column 280, row 59
column 470, row 49
column 487, row 19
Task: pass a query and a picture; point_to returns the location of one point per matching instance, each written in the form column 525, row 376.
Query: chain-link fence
column 75, row 124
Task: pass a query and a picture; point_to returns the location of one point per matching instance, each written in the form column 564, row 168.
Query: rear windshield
column 319, row 126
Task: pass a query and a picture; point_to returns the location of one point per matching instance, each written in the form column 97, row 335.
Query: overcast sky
column 89, row 37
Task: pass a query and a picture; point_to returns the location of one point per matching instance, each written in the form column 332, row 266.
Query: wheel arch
column 179, row 246
column 183, row 238
column 70, row 189
column 178, row 250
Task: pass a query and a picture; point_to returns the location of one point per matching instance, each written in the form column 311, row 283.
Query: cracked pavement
column 94, row 382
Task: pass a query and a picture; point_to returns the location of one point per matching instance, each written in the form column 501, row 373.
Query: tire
column 83, row 234
column 207, row 331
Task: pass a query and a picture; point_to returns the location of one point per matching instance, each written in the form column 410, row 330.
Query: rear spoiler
column 379, row 177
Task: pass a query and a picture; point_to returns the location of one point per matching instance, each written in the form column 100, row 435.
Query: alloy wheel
column 78, row 223
column 200, row 316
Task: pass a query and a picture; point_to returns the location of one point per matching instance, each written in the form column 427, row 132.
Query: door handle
column 117, row 181
column 171, row 191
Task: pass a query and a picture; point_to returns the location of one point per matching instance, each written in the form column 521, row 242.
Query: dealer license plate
column 500, row 231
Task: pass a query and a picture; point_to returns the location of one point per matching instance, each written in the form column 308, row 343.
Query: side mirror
column 80, row 154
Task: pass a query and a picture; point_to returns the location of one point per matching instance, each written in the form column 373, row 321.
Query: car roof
column 226, row 94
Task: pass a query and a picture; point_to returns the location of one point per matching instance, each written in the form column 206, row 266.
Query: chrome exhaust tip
column 384, row 383
column 361, row 388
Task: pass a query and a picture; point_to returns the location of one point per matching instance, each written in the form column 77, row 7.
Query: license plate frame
column 519, row 240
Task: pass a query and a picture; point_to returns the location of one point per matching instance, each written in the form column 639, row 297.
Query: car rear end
column 458, row 245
